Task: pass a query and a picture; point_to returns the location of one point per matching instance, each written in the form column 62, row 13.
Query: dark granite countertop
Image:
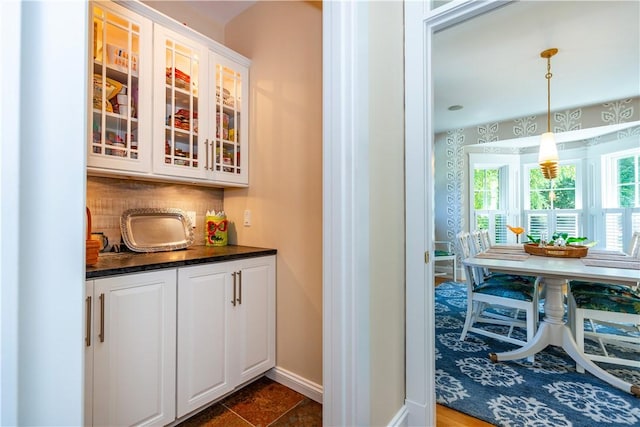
column 111, row 264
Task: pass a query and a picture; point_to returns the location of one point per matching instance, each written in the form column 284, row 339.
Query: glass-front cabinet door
column 230, row 148
column 121, row 67
column 179, row 140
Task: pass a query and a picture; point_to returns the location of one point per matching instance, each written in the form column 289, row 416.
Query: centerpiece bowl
column 569, row 251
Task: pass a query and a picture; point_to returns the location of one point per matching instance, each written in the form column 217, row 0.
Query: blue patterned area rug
column 516, row 393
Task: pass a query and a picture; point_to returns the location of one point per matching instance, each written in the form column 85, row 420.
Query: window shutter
column 537, row 223
column 613, row 230
column 567, row 223
column 501, row 228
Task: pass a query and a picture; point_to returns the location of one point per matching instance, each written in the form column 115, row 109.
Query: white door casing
column 420, row 24
column 345, row 210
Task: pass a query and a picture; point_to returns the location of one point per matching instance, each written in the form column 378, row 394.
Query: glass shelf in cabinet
column 228, row 110
column 181, row 93
column 115, row 118
column 114, row 73
column 182, row 132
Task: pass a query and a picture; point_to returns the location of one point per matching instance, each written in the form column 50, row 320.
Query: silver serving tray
column 156, row 229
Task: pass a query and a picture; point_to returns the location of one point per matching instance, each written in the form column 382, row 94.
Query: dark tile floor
column 260, row 404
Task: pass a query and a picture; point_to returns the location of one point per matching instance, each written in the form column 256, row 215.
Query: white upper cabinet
column 229, row 113
column 176, row 104
column 121, row 78
column 179, row 139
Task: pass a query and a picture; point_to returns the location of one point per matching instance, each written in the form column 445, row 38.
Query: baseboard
column 418, row 414
column 401, row 419
column 295, row 382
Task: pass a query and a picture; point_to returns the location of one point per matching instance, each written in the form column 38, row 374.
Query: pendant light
column 548, row 156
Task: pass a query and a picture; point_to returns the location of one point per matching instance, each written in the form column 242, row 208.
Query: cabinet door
column 88, row 353
column 121, row 67
column 134, row 349
column 254, row 318
column 204, row 302
column 229, row 111
column 180, row 65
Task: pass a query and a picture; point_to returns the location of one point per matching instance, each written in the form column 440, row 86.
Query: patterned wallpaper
column 450, row 205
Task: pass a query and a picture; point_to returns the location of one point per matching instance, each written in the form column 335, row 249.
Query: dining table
column 598, row 265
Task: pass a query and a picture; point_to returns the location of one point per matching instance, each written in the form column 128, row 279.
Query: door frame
column 420, row 25
column 345, row 210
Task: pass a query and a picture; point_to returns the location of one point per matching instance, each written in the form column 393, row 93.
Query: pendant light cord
column 548, row 77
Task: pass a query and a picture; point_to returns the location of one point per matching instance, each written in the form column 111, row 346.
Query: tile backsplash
column 108, row 198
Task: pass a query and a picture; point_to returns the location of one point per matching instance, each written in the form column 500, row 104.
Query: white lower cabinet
column 218, row 318
column 130, row 350
column 226, row 328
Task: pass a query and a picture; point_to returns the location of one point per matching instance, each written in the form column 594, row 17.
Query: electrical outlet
column 192, row 217
column 247, row 218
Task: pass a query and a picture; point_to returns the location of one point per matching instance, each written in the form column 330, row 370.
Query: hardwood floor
column 447, row 417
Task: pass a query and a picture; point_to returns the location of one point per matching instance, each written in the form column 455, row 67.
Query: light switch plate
column 247, row 218
column 192, row 217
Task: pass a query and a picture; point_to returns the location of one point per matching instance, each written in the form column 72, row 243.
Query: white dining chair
column 497, row 301
column 607, row 313
column 443, row 251
column 612, row 318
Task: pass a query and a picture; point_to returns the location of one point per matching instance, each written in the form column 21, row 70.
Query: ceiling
column 491, row 64
column 220, row 11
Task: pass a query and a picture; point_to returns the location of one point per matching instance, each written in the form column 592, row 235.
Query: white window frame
column 553, row 214
column 610, row 202
column 594, row 165
column 509, row 165
column 610, row 199
column 579, row 206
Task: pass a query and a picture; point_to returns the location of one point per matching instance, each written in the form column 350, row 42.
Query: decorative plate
column 156, row 229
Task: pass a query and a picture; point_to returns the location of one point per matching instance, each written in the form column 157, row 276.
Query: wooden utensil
column 92, row 246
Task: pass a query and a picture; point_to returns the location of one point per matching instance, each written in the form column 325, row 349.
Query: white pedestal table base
column 554, row 331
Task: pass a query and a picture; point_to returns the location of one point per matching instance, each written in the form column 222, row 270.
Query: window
column 553, row 205
column 486, row 189
column 559, row 193
column 596, row 193
column 621, row 172
column 488, row 196
column 626, row 170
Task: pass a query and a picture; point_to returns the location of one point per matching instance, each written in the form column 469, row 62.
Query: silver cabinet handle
column 87, row 337
column 206, row 149
column 101, row 335
column 239, row 287
column 233, row 301
column 213, row 155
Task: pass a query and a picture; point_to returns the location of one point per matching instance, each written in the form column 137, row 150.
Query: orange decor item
column 517, row 231
column 92, row 246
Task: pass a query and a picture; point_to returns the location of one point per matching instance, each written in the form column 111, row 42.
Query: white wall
column 387, row 201
column 42, row 239
column 283, row 39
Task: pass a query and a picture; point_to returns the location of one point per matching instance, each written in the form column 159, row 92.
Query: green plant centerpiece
column 559, row 239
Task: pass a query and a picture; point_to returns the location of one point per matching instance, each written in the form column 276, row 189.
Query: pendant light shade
column 548, row 155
